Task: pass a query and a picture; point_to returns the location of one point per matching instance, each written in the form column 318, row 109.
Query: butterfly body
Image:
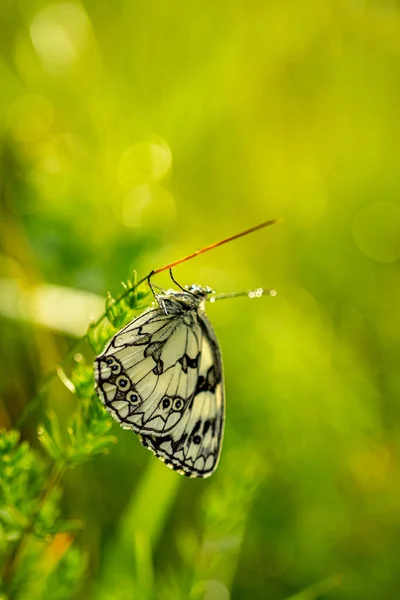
column 161, row 376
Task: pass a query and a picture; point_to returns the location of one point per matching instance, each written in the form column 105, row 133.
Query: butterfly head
column 189, row 298
column 199, row 291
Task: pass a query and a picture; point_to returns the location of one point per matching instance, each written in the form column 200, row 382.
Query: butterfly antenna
column 257, row 293
column 215, row 245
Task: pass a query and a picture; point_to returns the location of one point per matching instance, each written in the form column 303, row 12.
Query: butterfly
column 162, row 377
column 162, row 374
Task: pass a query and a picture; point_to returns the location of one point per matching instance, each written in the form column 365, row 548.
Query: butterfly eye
column 166, row 403
column 123, row 382
column 116, row 369
column 109, row 361
column 132, row 397
column 196, row 440
column 178, row 404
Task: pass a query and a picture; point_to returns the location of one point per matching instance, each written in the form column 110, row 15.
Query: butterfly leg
column 149, row 276
column 157, row 298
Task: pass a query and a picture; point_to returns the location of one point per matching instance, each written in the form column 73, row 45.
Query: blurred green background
column 133, row 133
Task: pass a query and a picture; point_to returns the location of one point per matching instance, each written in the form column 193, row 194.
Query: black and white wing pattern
column 162, row 377
column 193, row 447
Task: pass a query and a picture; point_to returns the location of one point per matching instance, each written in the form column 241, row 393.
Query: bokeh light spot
column 30, row 118
column 376, row 231
column 145, row 162
column 148, row 206
column 60, row 34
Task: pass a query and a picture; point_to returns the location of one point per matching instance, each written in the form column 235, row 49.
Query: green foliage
column 64, row 581
column 30, row 514
column 86, row 432
column 35, row 543
column 23, row 493
column 21, row 480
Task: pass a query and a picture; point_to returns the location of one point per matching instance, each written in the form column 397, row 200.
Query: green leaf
column 10, row 515
column 51, row 438
column 8, row 441
column 82, row 379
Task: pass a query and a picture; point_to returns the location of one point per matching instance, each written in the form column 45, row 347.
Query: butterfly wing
column 148, row 373
column 193, row 446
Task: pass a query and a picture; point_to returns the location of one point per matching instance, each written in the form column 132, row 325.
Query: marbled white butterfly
column 162, row 376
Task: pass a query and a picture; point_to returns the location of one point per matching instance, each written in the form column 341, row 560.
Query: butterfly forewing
column 162, row 377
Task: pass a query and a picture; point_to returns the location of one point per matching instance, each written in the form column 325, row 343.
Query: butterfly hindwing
column 193, row 447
